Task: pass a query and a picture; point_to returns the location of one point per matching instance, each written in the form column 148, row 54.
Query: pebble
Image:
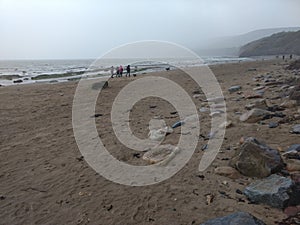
column 227, row 171
column 273, row 125
column 234, row 88
column 296, row 129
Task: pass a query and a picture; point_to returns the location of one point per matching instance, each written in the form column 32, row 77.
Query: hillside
column 230, row 45
column 277, row 44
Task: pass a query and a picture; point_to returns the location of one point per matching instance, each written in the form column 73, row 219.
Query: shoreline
column 104, row 71
column 142, row 71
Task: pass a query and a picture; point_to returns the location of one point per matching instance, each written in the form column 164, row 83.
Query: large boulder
column 238, row 218
column 255, row 159
column 254, row 115
column 273, row 191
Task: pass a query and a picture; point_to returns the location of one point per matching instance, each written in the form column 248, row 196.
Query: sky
column 78, row 29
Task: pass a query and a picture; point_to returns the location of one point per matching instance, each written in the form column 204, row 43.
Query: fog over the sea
column 46, row 29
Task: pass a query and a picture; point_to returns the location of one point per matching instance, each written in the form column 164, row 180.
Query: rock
column 18, row 81
column 203, row 109
column 259, row 104
column 177, row 124
column 295, row 94
column 272, row 191
column 216, row 113
column 289, row 104
column 204, row 147
column 292, row 210
column 238, row 218
column 255, row 159
column 254, row 115
column 259, row 88
column 234, row 89
column 292, row 220
column 160, row 153
column 273, row 125
column 218, row 106
column 292, row 165
column 254, row 95
column 296, row 129
column 216, row 99
column 227, row 171
column 293, row 152
column 226, row 124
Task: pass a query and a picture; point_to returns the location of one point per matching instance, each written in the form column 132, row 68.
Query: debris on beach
column 160, row 153
column 189, row 119
column 209, row 198
column 159, row 134
column 226, row 124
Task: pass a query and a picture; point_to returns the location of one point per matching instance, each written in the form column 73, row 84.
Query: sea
column 13, row 72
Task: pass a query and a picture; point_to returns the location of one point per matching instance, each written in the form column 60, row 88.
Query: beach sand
column 44, row 180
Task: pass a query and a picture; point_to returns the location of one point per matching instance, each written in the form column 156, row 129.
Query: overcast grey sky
column 41, row 29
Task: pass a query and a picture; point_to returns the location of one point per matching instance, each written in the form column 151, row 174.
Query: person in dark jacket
column 128, row 70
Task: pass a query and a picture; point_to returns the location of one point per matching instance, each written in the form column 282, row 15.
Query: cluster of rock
column 276, row 173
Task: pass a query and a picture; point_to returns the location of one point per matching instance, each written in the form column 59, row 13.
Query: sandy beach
column 44, row 179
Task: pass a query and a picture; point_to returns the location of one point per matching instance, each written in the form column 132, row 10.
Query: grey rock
column 255, row 159
column 273, row 125
column 296, row 129
column 259, row 104
column 294, row 148
column 273, row 191
column 238, row 218
column 254, row 115
column 293, row 152
column 234, row 89
column 18, row 81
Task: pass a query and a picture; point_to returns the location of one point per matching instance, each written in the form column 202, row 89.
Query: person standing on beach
column 121, row 70
column 112, row 70
column 128, row 70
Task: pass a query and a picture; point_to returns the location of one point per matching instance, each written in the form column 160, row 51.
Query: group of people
column 119, row 71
